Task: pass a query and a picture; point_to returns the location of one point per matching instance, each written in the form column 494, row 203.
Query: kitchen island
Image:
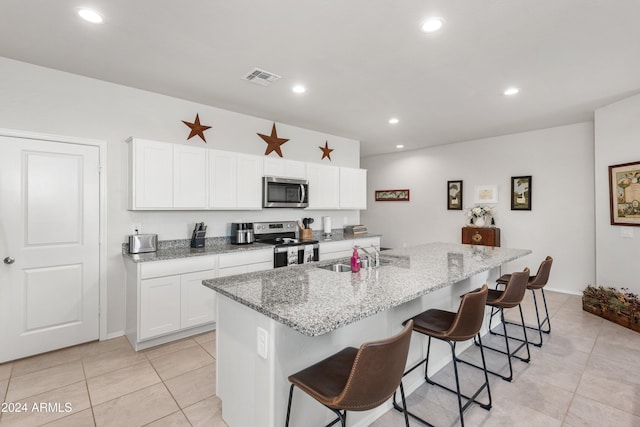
column 272, row 324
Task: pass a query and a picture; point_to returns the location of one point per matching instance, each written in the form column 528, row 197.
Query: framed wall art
column 454, row 195
column 521, row 193
column 486, row 194
column 624, row 194
column 392, row 195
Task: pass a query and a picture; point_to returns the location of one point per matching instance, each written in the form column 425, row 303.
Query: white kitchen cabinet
column 189, row 177
column 344, row 248
column 159, row 306
column 249, row 181
column 245, row 262
column 167, row 301
column 151, row 174
column 222, row 179
column 353, row 188
column 324, row 186
column 274, row 166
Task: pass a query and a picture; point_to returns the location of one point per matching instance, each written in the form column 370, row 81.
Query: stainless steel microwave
column 284, row 192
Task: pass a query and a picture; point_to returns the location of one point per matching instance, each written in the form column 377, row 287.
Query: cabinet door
column 249, row 182
column 295, row 169
column 189, row 177
column 198, row 303
column 151, row 174
column 324, row 186
column 353, row 188
column 274, row 166
column 222, row 179
column 159, row 306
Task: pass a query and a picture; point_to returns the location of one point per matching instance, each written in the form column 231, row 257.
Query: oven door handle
column 303, row 193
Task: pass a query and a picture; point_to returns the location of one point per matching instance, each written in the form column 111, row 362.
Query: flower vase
column 479, row 222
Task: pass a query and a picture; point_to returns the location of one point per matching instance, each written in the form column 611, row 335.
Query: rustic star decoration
column 326, row 151
column 197, row 129
column 273, row 142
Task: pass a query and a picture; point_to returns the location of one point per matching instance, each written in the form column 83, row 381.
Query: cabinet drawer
column 248, row 268
column 177, row 266
column 339, row 246
column 485, row 236
column 245, row 257
column 367, row 242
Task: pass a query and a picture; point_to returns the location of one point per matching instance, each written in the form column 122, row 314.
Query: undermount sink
column 340, row 268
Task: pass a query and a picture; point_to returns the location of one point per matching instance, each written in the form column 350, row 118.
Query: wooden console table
column 486, row 236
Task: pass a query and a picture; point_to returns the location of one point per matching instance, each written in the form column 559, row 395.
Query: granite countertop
column 315, row 301
column 175, row 249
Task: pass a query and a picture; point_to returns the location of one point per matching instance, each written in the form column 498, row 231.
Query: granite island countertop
column 315, row 301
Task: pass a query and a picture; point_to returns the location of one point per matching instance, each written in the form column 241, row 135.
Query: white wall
column 560, row 224
column 617, row 141
column 38, row 99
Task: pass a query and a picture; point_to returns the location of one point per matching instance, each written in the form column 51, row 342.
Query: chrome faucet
column 375, row 256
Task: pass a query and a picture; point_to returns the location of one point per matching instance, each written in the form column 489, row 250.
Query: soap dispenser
column 355, row 260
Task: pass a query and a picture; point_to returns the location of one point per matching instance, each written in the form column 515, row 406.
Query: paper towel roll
column 326, row 224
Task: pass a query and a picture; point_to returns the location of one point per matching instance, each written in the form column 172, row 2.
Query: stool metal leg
column 540, row 327
column 342, row 416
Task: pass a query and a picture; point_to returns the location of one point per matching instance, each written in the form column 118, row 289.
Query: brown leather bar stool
column 509, row 298
column 356, row 379
column 536, row 282
column 452, row 328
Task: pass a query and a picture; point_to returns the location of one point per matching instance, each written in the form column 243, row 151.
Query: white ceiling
column 363, row 61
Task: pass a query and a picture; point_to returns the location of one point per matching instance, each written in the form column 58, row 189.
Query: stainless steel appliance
column 242, row 233
column 143, row 243
column 288, row 250
column 284, row 192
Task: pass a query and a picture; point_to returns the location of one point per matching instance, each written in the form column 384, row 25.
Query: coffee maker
column 242, row 233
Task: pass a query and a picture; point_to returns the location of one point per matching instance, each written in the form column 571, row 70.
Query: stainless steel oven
column 284, row 192
column 287, row 250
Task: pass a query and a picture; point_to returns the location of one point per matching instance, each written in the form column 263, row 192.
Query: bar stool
column 356, row 379
column 452, row 328
column 511, row 297
column 536, row 282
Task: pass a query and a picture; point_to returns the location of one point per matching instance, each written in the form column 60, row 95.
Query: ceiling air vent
column 261, row 77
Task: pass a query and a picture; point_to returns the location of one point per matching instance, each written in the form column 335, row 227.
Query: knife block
column 197, row 242
column 306, row 234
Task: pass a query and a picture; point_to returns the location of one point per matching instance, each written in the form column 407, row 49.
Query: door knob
column 9, row 260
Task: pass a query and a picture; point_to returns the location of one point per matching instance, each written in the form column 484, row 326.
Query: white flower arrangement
column 479, row 212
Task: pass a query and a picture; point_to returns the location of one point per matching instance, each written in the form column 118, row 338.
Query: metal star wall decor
column 197, row 129
column 326, row 151
column 273, row 142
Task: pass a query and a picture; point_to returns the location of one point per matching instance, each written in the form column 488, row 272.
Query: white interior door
column 49, row 245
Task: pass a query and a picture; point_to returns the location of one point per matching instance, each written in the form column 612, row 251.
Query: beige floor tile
column 5, row 370
column 605, row 366
column 206, row 337
column 506, row 414
column 193, row 386
column 102, row 363
column 163, row 350
column 3, row 389
column 180, row 362
column 59, row 403
column 210, row 347
column 589, row 413
column 123, row 381
column 136, row 409
column 46, row 360
column 80, row 419
column 177, row 419
column 44, row 380
column 611, row 392
column 206, row 413
column 98, row 347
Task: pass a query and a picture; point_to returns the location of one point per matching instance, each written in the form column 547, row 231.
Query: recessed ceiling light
column 90, row 15
column 393, row 120
column 399, row 146
column 511, row 91
column 299, row 89
column 432, row 25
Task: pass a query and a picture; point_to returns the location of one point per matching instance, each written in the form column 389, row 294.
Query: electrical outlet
column 262, row 344
column 626, row 232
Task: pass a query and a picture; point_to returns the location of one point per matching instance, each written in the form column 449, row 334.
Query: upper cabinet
column 150, row 174
column 353, row 188
column 274, row 166
column 324, row 186
column 189, row 171
column 235, row 181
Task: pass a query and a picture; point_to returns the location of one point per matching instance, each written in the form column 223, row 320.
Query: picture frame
column 624, row 194
column 521, row 191
column 486, row 194
column 454, row 195
column 392, row 195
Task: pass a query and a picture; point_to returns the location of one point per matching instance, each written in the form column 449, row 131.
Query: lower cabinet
column 344, row 248
column 159, row 306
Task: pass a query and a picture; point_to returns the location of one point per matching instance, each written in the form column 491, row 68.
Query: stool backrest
column 376, row 372
column 542, row 276
column 470, row 316
column 515, row 290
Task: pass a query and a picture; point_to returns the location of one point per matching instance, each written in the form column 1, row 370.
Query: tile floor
column 585, row 374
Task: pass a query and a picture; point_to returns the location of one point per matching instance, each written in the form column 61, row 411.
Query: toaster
column 141, row 243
